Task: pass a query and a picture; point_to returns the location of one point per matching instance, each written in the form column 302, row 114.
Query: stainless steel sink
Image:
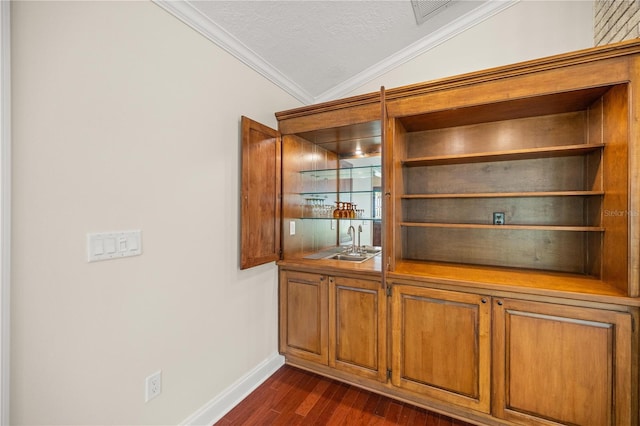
column 364, row 254
column 350, row 257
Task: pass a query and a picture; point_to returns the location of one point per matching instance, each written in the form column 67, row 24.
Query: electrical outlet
column 498, row 218
column 153, row 386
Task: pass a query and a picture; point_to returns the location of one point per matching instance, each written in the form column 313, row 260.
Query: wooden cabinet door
column 261, row 194
column 357, row 327
column 303, row 315
column 557, row 364
column 441, row 345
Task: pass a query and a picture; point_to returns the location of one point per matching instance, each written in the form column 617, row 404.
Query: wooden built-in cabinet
column 553, row 166
column 523, row 361
column 508, row 289
column 357, row 327
column 441, row 344
column 304, row 314
column 555, row 364
column 334, row 320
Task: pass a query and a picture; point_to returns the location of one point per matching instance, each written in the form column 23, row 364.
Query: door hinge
column 389, row 291
column 388, row 374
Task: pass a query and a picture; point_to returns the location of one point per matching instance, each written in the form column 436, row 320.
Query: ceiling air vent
column 426, row 9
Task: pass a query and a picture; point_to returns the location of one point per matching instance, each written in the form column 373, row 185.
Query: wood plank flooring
column 296, row 397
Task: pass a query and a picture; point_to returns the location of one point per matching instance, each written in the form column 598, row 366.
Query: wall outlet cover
column 153, row 386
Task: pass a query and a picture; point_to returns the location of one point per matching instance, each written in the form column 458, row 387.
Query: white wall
column 125, row 118
column 529, row 29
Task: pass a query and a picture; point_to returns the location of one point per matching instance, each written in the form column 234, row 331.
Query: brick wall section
column 616, row 20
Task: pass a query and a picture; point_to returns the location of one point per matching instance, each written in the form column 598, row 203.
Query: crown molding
column 191, row 16
column 465, row 22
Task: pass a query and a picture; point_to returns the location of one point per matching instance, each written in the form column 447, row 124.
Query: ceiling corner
column 191, row 16
column 194, row 18
column 421, row 46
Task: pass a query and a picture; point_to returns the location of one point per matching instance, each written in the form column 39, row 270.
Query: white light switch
column 112, row 245
column 98, row 247
column 292, row 227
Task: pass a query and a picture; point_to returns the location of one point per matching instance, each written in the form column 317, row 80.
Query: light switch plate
column 113, row 245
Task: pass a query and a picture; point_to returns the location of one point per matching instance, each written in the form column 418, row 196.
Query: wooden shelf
column 309, row 194
column 503, row 195
column 517, row 154
column 509, row 279
column 341, row 218
column 505, row 227
column 360, row 172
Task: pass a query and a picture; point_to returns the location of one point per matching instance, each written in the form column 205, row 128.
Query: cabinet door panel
column 261, row 189
column 357, row 322
column 441, row 344
column 303, row 315
column 561, row 364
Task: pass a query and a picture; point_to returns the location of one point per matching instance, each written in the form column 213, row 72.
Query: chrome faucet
column 353, row 238
column 359, row 232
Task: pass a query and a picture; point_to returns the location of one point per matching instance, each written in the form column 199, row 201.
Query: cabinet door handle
column 500, row 302
column 484, row 300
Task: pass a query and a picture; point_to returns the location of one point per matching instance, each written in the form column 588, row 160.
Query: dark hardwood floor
column 295, row 397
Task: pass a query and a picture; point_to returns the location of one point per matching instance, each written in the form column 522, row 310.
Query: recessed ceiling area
column 321, row 50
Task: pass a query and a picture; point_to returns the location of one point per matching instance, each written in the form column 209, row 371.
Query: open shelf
column 360, row 172
column 552, row 165
column 504, row 194
column 342, row 219
column 310, row 194
column 504, row 227
column 515, row 154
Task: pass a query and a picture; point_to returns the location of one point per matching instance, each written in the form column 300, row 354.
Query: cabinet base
column 386, row 389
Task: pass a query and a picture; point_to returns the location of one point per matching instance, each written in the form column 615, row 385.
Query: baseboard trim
column 213, row 410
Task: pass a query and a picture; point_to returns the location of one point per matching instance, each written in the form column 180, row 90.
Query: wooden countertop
column 476, row 278
column 371, row 267
column 513, row 281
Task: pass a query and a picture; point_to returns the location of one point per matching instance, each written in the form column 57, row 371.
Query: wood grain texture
column 552, row 143
column 303, row 315
column 296, row 397
column 479, row 278
column 426, row 325
column 508, row 92
column 260, row 198
column 301, row 155
column 547, row 250
column 357, row 327
column 540, row 348
column 572, row 143
column 532, row 135
column 615, row 209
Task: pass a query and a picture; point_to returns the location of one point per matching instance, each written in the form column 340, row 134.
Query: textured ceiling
column 321, row 50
